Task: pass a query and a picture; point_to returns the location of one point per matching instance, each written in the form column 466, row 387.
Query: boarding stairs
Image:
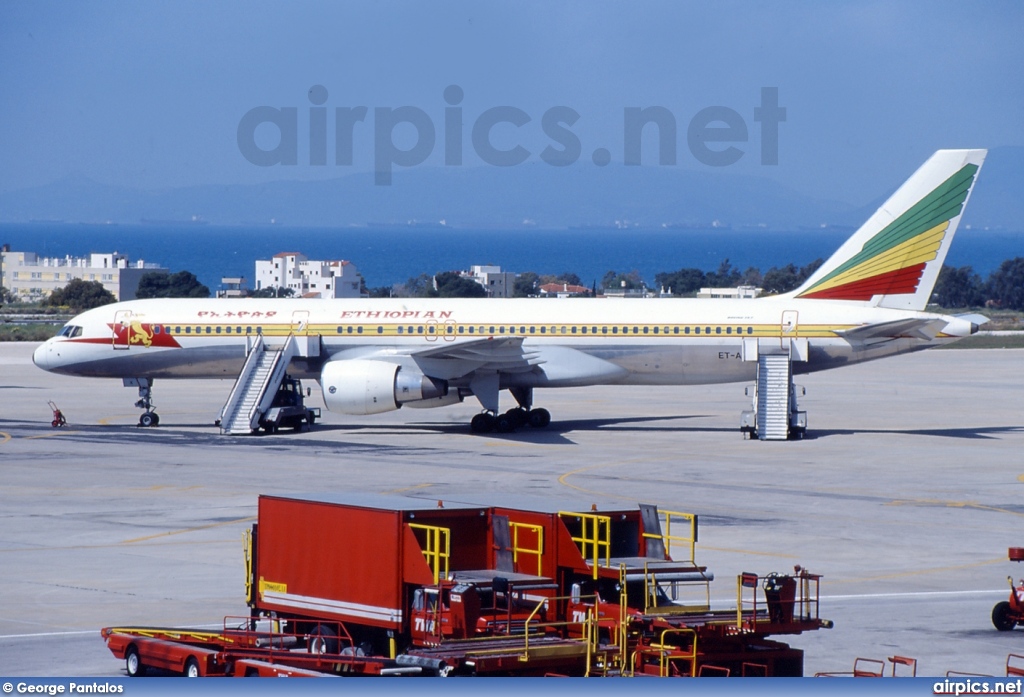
column 257, row 384
column 774, row 375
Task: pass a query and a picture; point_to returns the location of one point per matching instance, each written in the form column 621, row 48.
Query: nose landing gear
column 149, row 417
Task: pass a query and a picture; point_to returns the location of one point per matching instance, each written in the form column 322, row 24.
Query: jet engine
column 372, row 387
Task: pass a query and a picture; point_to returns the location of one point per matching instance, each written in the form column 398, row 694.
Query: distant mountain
column 534, row 194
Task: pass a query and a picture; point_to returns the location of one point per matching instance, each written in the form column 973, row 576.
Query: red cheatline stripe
column 901, row 281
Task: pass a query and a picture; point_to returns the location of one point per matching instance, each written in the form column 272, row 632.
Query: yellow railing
column 595, row 537
column 437, row 549
column 537, row 552
column 247, row 552
column 689, row 539
column 589, row 634
column 667, row 653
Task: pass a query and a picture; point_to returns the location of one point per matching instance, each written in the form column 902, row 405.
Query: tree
column 182, row 284
column 80, row 295
column 416, row 287
column 725, row 277
column 273, row 292
column 1005, row 286
column 525, row 285
column 681, row 282
column 788, row 277
column 614, row 280
column 958, row 288
column 452, row 285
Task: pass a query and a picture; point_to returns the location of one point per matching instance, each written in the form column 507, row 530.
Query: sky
column 152, row 94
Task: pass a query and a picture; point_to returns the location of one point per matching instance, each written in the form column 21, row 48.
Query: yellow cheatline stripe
column 409, row 488
column 952, row 504
column 919, row 572
column 440, row 339
column 1020, row 478
column 921, row 248
column 4, row 437
column 51, row 435
column 182, row 532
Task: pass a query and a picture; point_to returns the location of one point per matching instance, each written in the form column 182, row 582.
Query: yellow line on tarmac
column 181, row 532
column 51, row 435
column 4, row 437
column 920, row 572
column 409, row 488
column 951, row 504
column 747, row 551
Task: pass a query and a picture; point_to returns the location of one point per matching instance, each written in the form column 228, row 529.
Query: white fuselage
column 648, row 342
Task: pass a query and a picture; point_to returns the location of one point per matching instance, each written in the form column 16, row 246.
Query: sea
column 386, row 255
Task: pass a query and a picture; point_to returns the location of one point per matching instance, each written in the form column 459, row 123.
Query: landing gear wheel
column 149, row 419
column 505, row 423
column 482, row 423
column 539, row 418
column 132, row 664
column 323, row 640
column 518, row 415
column 1002, row 617
column 191, row 668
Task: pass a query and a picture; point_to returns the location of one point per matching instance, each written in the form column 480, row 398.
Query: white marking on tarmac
column 917, row 594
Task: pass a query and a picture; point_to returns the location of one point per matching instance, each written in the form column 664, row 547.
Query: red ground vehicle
column 397, row 585
column 1009, row 613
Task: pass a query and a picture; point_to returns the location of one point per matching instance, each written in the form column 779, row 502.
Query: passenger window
column 359, row 330
column 380, row 330
column 615, row 330
column 188, row 330
column 218, row 330
column 728, row 330
column 718, row 330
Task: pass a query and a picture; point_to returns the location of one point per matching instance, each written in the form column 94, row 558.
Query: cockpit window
column 70, row 331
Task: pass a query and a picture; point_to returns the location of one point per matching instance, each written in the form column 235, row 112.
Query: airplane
column 375, row 355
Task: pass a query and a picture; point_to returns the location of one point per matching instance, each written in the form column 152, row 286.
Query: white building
column 741, row 292
column 32, row 277
column 323, row 279
column 497, row 283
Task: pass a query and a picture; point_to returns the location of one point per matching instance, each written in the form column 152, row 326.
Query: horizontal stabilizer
column 923, row 329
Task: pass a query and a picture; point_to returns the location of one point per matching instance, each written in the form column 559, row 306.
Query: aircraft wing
column 501, row 354
column 911, row 328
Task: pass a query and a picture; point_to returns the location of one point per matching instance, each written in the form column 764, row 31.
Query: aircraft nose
column 41, row 356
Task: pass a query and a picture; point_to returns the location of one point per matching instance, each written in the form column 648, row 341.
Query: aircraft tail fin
column 894, row 258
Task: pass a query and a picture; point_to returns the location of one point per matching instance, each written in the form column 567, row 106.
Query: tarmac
column 905, row 496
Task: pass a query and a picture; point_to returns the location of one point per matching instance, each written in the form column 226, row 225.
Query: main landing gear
column 149, row 417
column 516, row 417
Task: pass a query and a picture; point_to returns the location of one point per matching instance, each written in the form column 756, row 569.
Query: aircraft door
column 789, row 327
column 300, row 322
column 449, row 330
column 121, row 329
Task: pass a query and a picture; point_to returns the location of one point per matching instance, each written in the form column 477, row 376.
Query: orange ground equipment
column 1007, row 614
column 58, row 416
column 385, row 585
